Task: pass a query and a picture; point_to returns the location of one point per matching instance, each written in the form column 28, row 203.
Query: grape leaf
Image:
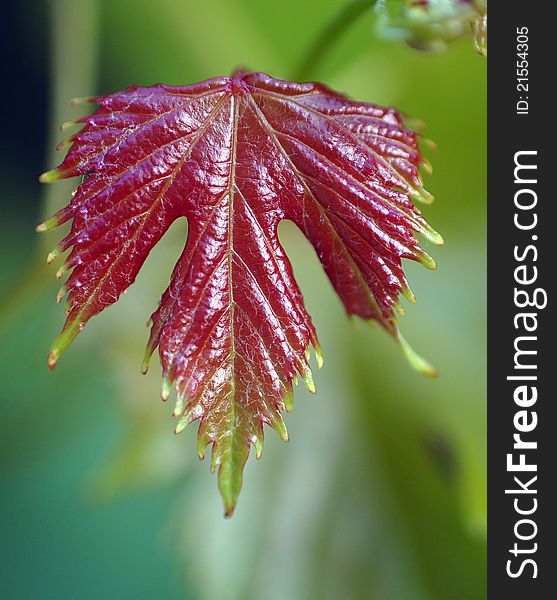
column 235, row 156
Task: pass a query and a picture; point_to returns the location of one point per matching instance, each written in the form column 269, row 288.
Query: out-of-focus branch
column 328, row 37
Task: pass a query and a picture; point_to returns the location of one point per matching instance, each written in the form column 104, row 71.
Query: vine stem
column 328, row 37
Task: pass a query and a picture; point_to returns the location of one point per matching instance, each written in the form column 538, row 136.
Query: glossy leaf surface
column 235, row 156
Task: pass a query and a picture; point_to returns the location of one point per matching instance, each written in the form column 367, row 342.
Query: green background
column 381, row 491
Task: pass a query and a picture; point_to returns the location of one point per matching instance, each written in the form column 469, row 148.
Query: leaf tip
column 182, row 424
column 310, row 384
column 319, row 357
column 202, row 441
column 61, row 293
column 64, row 339
column 187, row 417
column 399, row 309
column 434, row 236
column 427, row 261
column 427, row 167
column 179, row 406
column 307, row 377
column 257, row 442
column 423, row 196
column 289, row 400
column 417, row 362
column 68, row 125
column 229, row 507
column 165, row 388
column 80, row 100
column 52, row 359
column 408, row 294
column 50, row 176
column 231, row 465
column 278, row 424
column 149, row 349
column 437, row 239
column 52, row 256
column 414, row 123
column 48, row 225
column 145, row 365
column 431, row 145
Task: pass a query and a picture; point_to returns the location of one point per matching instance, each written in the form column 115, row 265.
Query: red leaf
column 236, row 156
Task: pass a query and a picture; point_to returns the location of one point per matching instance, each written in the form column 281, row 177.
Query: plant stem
column 333, row 31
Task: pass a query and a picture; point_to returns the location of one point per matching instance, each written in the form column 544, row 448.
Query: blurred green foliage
column 381, row 492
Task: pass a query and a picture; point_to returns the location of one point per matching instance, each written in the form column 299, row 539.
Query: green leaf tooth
column 230, row 477
column 61, row 271
column 215, row 457
column 48, row 225
column 149, row 349
column 422, row 195
column 182, row 424
column 81, row 100
column 307, row 376
column 65, row 143
column 145, row 363
column 188, row 417
column 289, row 400
column 278, row 424
column 52, row 360
column 180, row 405
column 53, row 254
column 202, row 441
column 61, row 293
column 68, row 125
column 426, row 167
column 428, row 232
column 257, row 440
column 166, row 387
column 414, row 123
column 431, row 145
column 408, row 294
column 427, row 261
column 433, row 236
column 61, row 343
column 50, row 177
column 399, row 309
column 318, row 356
column 417, row 362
